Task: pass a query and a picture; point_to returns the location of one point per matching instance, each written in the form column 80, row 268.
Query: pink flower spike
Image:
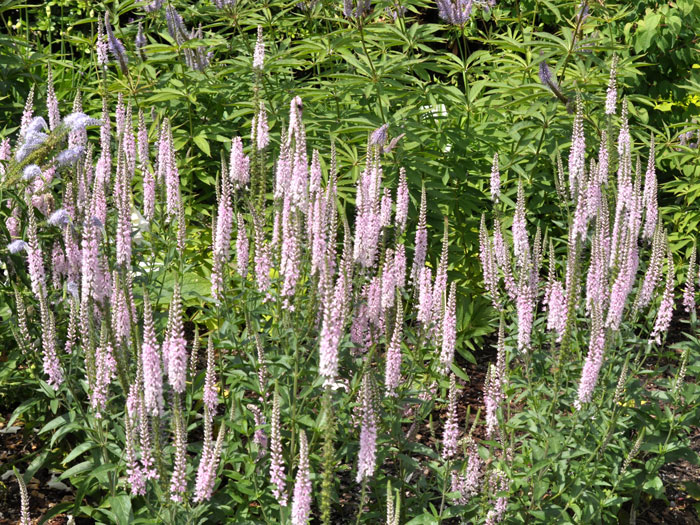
column 259, row 53
column 690, row 278
column 301, row 501
column 24, row 517
column 451, row 430
column 367, row 457
column 577, row 162
column 178, row 482
column 594, row 360
column 209, row 395
column 611, row 95
column 392, row 373
column 242, row 247
column 402, row 199
column 449, row 330
column 521, row 244
column 277, row 474
column 175, row 345
column 495, row 179
column 421, row 240
column 665, row 313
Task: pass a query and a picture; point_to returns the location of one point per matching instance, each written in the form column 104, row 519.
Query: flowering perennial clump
column 616, row 230
column 314, row 286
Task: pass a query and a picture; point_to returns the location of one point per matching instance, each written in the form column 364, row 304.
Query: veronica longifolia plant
column 606, row 313
column 335, row 284
column 316, row 323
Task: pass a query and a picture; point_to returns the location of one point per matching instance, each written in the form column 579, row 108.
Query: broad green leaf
column 121, row 506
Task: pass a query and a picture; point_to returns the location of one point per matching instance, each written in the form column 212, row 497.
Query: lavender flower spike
column 37, row 124
column 356, row 8
column 17, row 246
column 455, row 12
column 32, row 141
column 59, row 218
column 31, row 172
column 140, row 40
column 69, row 156
column 547, row 79
column 116, row 47
column 378, row 136
column 545, row 73
column 79, row 121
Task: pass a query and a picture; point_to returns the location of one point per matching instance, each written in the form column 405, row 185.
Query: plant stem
column 375, row 79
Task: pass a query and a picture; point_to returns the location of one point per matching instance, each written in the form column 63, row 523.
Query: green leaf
column 202, row 144
column 459, row 372
column 692, row 488
column 423, row 519
column 22, row 408
column 81, row 467
column 79, row 450
column 654, row 486
column 121, row 506
column 36, row 464
column 685, row 6
column 56, row 422
column 53, row 511
column 65, row 429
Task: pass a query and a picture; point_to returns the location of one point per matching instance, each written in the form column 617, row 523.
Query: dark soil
column 681, row 509
column 14, row 447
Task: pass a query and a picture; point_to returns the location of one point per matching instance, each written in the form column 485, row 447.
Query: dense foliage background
column 452, row 96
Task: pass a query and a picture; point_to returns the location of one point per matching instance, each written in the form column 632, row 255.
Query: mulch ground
column 681, row 508
column 13, row 448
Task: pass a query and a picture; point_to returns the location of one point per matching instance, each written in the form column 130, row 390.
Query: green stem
column 363, row 501
column 375, row 79
column 577, row 30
